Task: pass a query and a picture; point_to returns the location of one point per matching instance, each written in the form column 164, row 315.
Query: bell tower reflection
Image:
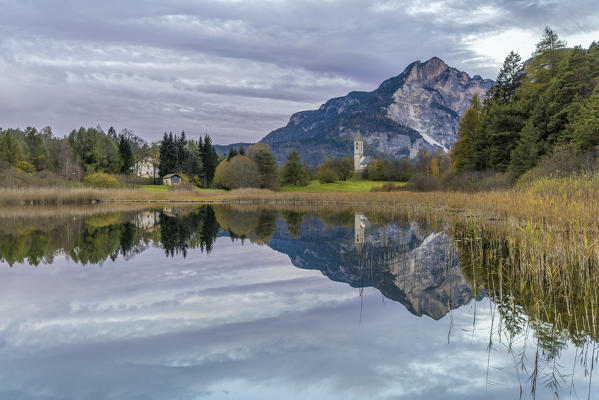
column 360, row 222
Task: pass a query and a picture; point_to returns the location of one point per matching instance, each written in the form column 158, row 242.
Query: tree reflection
column 294, row 221
column 197, row 229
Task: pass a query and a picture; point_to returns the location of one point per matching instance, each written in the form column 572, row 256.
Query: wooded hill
column 551, row 101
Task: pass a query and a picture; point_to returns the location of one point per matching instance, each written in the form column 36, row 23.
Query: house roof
column 169, row 176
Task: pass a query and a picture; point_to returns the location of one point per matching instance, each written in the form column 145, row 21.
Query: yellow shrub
column 101, row 180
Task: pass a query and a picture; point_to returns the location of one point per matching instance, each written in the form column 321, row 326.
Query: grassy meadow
column 350, row 185
column 164, row 188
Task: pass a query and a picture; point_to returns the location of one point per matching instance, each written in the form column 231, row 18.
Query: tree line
column 86, row 151
column 83, row 151
column 547, row 103
column 197, row 160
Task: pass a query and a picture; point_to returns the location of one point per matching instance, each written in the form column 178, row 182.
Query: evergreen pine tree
column 526, row 153
column 502, row 125
column 232, row 153
column 585, row 128
column 292, row 172
column 112, row 134
column 267, row 165
column 209, row 160
column 565, row 96
column 509, row 79
column 593, row 55
column 464, row 152
column 126, row 155
column 181, row 144
column 200, row 158
column 548, row 47
column 168, row 155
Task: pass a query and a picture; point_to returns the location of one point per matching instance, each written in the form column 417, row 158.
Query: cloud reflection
column 241, row 322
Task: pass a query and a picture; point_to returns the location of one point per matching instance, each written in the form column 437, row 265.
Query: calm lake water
column 247, row 303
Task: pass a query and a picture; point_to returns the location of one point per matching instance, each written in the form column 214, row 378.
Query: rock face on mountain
column 416, row 110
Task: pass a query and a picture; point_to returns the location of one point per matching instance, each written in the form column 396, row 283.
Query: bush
column 327, row 176
column 196, row 181
column 389, row 170
column 24, row 166
column 327, row 172
column 101, row 180
column 376, row 170
column 422, row 183
column 14, row 177
column 473, row 181
column 388, row 187
column 238, row 172
column 561, row 163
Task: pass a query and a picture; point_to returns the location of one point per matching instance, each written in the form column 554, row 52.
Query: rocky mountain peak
column 428, row 70
column 416, row 110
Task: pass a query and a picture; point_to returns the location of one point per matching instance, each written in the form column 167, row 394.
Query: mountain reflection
column 405, row 260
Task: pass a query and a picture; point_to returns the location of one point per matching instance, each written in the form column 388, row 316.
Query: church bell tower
column 358, row 153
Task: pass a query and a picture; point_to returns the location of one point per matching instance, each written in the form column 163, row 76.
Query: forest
column 545, row 106
column 39, row 158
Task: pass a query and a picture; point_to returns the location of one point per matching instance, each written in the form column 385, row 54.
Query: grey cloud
column 260, row 61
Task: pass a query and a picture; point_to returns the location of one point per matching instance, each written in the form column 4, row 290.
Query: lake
column 244, row 302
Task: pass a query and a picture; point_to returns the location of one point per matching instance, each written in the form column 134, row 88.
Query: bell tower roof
column 358, row 136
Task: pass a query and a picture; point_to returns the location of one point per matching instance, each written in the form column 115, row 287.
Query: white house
column 147, row 220
column 146, row 168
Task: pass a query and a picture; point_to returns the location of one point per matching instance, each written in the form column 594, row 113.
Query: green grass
column 155, row 188
column 164, row 188
column 357, row 185
column 352, row 185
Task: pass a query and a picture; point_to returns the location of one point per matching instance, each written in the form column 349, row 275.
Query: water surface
column 247, row 303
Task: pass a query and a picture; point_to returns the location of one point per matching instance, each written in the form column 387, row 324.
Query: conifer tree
column 266, row 164
column 181, row 146
column 464, row 152
column 126, row 154
column 232, row 153
column 585, row 128
column 509, row 79
column 168, row 155
column 593, row 55
column 209, row 160
column 292, row 172
column 574, row 83
column 112, row 134
column 548, row 46
column 524, row 156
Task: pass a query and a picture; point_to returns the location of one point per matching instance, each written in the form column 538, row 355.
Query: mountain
column 418, row 109
column 224, row 148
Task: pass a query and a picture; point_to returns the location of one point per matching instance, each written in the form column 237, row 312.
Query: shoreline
column 559, row 204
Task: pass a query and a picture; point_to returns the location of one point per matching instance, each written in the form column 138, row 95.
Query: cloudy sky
column 239, row 69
